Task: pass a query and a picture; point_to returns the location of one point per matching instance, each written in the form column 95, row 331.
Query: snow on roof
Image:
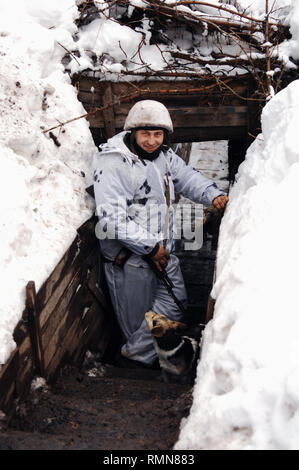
column 131, row 39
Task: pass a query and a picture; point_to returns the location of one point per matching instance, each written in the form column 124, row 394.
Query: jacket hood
column 117, row 144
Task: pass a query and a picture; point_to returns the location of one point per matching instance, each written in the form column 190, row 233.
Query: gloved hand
column 161, row 258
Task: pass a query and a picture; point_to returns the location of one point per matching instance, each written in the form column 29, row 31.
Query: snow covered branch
column 178, row 39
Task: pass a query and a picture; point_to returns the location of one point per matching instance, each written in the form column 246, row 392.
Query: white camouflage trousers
column 135, row 289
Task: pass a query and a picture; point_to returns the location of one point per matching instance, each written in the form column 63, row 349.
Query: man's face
column 149, row 140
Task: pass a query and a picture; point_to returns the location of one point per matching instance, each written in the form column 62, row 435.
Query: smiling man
column 135, row 181
column 149, row 140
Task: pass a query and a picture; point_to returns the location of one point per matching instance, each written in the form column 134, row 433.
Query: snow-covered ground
column 247, row 389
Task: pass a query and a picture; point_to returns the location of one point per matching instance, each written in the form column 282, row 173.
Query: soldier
column 135, row 182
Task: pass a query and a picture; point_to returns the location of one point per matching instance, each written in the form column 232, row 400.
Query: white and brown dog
column 176, row 344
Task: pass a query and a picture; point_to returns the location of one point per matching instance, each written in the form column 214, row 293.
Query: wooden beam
column 34, row 327
column 8, row 376
column 163, row 88
column 204, row 134
column 108, row 113
column 56, row 310
column 225, row 97
column 185, row 117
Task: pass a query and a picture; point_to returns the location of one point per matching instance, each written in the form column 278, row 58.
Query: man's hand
column 161, row 258
column 220, row 202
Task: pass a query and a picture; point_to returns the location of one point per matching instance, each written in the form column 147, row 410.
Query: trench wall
column 68, row 315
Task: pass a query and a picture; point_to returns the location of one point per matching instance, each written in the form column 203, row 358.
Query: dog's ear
column 180, row 326
column 158, row 331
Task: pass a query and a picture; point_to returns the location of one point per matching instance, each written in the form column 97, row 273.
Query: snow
column 42, row 185
column 246, row 392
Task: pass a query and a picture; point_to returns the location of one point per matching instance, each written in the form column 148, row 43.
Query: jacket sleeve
column 191, row 183
column 114, row 189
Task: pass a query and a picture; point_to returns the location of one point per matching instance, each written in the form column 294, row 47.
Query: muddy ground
column 104, row 407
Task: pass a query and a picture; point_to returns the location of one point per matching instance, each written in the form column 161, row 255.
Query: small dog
column 176, row 345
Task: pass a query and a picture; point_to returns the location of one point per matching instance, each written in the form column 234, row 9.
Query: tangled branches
column 192, row 39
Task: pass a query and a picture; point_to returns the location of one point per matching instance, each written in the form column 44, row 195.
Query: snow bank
column 42, row 185
column 246, row 394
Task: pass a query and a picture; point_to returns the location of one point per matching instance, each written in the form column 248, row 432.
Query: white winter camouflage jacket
column 130, row 195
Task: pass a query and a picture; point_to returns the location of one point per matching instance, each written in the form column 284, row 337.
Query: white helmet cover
column 148, row 113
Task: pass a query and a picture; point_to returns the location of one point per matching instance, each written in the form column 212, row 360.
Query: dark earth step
column 112, row 410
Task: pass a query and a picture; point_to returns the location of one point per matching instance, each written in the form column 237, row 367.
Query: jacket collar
column 116, row 143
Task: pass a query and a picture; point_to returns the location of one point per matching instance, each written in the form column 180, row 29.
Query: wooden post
column 210, row 309
column 34, row 328
column 108, row 113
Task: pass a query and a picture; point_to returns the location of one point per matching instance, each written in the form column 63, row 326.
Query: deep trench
column 99, row 406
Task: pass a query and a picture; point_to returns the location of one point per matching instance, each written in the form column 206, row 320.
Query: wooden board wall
column 68, row 315
column 199, row 111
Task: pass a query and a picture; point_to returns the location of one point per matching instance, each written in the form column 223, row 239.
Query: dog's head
column 176, row 352
column 159, row 324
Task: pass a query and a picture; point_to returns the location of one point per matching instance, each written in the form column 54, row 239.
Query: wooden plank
column 95, row 331
column 87, row 231
column 8, row 399
column 71, row 312
column 178, row 93
column 96, row 291
column 95, row 317
column 25, row 349
column 69, row 263
column 26, row 366
column 56, row 318
column 184, row 87
column 24, row 376
column 93, row 100
column 8, row 376
column 32, row 308
column 75, row 339
column 202, row 111
column 90, row 326
column 200, row 117
column 58, row 360
column 62, row 278
column 193, row 134
column 61, row 307
column 67, row 341
column 210, row 309
column 108, row 113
